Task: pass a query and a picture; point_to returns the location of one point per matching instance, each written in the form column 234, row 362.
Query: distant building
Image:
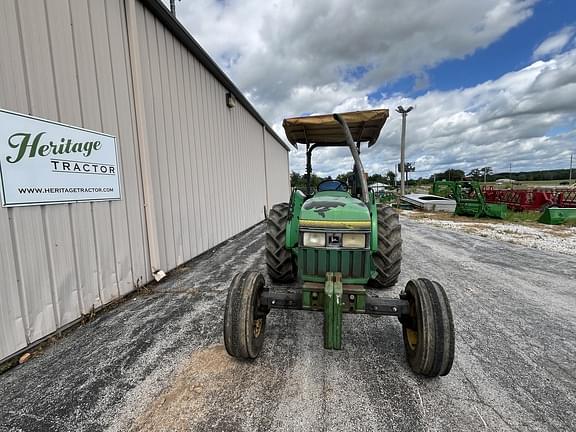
column 381, row 187
column 505, row 181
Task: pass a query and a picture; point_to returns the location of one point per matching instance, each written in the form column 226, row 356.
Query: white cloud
column 277, row 51
column 555, row 43
column 292, row 57
column 526, row 117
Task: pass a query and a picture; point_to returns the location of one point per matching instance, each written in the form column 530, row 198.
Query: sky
column 492, row 82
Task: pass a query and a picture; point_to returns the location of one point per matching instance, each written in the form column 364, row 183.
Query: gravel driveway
column 156, row 362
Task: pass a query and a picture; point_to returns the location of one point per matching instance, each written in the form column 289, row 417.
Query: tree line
column 298, row 180
column 488, row 174
column 480, row 174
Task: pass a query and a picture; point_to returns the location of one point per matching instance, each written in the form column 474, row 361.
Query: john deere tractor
column 335, row 245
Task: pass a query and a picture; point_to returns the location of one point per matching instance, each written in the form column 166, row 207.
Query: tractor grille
column 316, row 262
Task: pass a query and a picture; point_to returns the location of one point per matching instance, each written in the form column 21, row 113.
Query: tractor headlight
column 311, row 239
column 354, row 240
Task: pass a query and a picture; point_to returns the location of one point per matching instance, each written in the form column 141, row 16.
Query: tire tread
column 279, row 261
column 388, row 258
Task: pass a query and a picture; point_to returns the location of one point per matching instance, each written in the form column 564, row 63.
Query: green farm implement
column 470, row 200
column 558, row 216
column 332, row 246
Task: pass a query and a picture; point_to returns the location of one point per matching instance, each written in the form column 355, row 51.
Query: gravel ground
column 156, row 362
column 552, row 238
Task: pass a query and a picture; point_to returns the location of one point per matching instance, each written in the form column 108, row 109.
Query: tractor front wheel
column 428, row 329
column 279, row 261
column 388, row 257
column 244, row 318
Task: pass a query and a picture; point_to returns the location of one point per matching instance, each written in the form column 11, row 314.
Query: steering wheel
column 332, row 185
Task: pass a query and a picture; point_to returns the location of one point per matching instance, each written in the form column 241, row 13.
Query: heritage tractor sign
column 44, row 162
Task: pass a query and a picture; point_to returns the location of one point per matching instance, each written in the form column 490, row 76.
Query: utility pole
column 404, row 113
column 570, row 178
column 510, row 176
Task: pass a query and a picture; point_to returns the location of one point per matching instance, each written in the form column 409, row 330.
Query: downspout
column 355, row 155
column 142, row 140
column 267, row 206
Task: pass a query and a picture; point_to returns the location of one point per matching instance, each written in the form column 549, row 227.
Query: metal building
column 198, row 164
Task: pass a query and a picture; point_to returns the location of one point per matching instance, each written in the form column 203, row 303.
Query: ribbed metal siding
column 208, row 159
column 69, row 62
column 60, row 261
column 276, row 173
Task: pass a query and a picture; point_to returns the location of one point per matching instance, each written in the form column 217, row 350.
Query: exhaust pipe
column 355, row 155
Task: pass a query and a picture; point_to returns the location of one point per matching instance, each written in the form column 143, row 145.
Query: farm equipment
column 386, row 197
column 334, row 244
column 469, row 199
column 518, row 199
column 558, row 216
column 531, row 199
column 566, row 198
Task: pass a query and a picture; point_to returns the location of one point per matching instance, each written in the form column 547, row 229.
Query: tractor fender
column 293, row 225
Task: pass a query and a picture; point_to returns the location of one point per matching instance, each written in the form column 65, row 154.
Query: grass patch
column 525, row 216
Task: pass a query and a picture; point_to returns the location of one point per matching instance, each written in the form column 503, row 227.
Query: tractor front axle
column 333, row 298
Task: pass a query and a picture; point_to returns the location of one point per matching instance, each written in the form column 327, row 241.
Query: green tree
column 376, row 178
column 475, row 174
column 344, row 177
column 486, row 171
column 297, row 180
column 449, row 174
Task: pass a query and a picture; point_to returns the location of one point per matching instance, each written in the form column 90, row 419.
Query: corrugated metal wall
column 276, row 172
column 70, row 62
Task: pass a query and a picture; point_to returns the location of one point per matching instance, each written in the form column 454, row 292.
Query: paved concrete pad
column 156, row 362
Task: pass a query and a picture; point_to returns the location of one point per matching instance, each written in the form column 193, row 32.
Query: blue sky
column 511, row 52
column 493, row 82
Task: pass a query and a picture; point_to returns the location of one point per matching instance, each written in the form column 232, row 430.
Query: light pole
column 404, row 113
column 570, row 175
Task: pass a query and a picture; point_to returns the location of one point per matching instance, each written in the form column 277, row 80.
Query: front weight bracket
column 333, row 311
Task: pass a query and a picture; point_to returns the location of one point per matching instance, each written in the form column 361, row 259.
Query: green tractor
column 337, row 244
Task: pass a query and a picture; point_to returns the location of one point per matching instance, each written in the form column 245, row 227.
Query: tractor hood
column 335, row 210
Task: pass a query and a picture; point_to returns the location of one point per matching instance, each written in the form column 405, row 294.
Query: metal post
column 173, row 7
column 403, row 155
column 570, row 175
column 308, row 170
column 404, row 113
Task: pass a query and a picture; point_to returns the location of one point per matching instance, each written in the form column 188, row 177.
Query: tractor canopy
column 324, row 130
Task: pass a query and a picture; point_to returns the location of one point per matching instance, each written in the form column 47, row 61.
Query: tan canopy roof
column 324, row 130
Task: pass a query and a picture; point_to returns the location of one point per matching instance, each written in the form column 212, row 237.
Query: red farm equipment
column 531, row 199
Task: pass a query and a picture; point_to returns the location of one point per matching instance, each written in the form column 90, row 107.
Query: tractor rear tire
column 244, row 319
column 388, row 257
column 279, row 261
column 428, row 330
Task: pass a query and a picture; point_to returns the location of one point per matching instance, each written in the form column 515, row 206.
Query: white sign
column 44, row 162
